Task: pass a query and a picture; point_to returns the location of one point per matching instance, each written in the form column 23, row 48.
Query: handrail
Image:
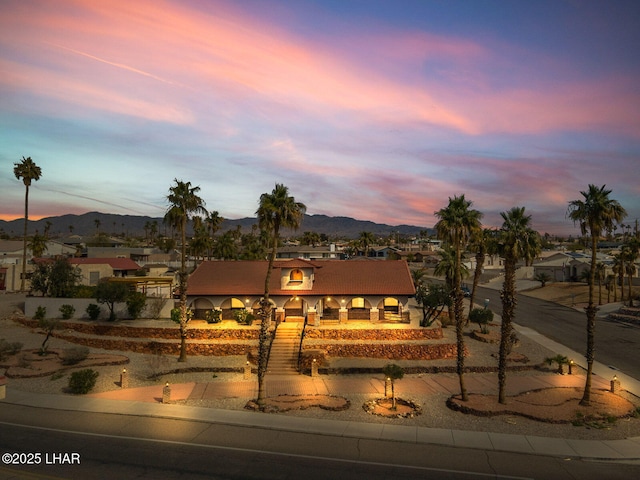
column 304, row 326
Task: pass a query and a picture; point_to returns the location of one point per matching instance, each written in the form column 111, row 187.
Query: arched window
column 296, row 276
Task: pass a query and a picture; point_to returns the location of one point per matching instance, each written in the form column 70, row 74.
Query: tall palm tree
column 183, row 203
column 595, row 213
column 518, row 241
column 457, row 223
column 29, row 172
column 618, row 272
column 276, row 210
column 446, row 268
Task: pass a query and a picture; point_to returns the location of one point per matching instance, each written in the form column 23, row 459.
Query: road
column 118, row 446
column 617, row 344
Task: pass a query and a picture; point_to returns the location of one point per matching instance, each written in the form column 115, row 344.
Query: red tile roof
column 331, row 277
column 115, row 263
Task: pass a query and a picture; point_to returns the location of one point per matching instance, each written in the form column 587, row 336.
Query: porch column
column 280, row 314
column 313, row 318
column 343, row 315
column 374, row 315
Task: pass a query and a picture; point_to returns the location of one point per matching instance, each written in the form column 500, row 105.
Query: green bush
column 214, row 316
column 136, row 302
column 481, row 316
column 82, row 381
column 244, row 317
column 74, row 355
column 93, row 311
column 67, row 311
column 41, row 312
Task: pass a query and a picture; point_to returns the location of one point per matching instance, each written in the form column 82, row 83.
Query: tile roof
column 331, row 277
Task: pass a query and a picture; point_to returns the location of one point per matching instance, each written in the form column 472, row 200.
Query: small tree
column 432, row 299
column 111, row 293
column 48, row 325
column 393, row 372
column 55, row 279
column 543, row 278
column 481, row 316
column 560, row 360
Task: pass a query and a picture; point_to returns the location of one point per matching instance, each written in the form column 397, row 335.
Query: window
column 357, row 302
column 296, row 276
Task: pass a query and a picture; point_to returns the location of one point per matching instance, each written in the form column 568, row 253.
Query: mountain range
column 131, row 225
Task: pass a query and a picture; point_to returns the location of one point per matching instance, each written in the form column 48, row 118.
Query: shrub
column 135, row 304
column 74, row 355
column 93, row 311
column 67, row 311
column 41, row 312
column 82, row 381
column 8, row 348
column 214, row 316
column 244, row 317
column 481, row 316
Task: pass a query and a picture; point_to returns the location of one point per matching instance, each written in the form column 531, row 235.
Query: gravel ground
column 435, row 414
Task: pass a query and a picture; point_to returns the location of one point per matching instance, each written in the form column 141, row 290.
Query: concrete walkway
column 147, row 402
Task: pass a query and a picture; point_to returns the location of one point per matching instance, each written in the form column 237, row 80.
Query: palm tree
column 38, row 244
column 481, row 244
column 618, row 273
column 276, row 210
column 446, row 268
column 365, row 241
column 28, row 171
column 601, row 270
column 213, row 221
column 595, row 213
column 630, row 254
column 517, row 241
column 457, row 223
column 183, row 203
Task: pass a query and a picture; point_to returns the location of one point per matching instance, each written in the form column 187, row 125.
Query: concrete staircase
column 284, row 350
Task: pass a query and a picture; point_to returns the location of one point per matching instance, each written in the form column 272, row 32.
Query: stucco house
column 93, row 269
column 321, row 291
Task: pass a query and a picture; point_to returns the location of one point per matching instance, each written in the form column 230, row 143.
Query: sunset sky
column 377, row 110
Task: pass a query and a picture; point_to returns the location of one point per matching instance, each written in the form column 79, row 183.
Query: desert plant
column 67, row 311
column 560, row 360
column 93, row 311
column 136, row 302
column 543, row 278
column 41, row 312
column 83, row 381
column 74, row 355
column 8, row 348
column 481, row 316
column 111, row 293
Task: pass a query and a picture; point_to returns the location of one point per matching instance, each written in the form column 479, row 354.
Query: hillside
column 131, row 225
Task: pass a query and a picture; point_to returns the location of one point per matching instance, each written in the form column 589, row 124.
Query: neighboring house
column 93, row 269
column 309, row 252
column 337, row 290
column 569, row 266
column 140, row 255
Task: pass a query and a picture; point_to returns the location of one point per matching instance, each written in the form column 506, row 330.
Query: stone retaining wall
column 392, row 351
column 115, row 330
column 157, row 348
column 389, row 334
